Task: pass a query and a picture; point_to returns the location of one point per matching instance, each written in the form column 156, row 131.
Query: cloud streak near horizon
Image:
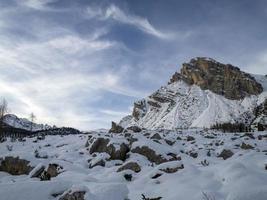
column 83, row 64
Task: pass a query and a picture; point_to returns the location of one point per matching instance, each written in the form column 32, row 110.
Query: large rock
column 130, row 166
column 46, row 173
column 156, row 136
column 153, row 156
column 135, row 129
column 225, row 154
column 15, row 166
column 246, row 146
column 37, row 171
column 222, row 79
column 139, row 109
column 115, row 128
column 117, row 151
column 171, row 167
column 76, row 195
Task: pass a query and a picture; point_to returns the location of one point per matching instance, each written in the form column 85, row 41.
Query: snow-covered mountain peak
column 204, row 93
column 23, row 123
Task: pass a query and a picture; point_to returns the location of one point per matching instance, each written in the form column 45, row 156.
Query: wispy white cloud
column 59, row 75
column 114, row 113
column 45, row 77
column 35, row 4
column 115, row 13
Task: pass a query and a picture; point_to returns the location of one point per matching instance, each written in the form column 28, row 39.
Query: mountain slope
column 201, row 98
column 23, row 123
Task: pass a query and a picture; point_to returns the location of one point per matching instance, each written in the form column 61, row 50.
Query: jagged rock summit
column 222, row 79
column 203, row 93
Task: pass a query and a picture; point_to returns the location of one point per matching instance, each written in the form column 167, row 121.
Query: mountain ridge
column 23, row 123
column 200, row 96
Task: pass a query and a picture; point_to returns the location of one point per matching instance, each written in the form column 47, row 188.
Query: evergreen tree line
column 232, row 127
column 236, row 127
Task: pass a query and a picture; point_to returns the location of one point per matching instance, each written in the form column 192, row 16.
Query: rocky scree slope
column 204, row 93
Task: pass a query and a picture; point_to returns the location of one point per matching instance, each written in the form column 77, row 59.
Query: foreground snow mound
column 184, row 164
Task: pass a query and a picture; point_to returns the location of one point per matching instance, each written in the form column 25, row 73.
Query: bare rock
column 36, row 173
column 156, row 136
column 193, row 154
column 154, row 198
column 169, row 142
column 152, row 156
column 46, row 173
column 225, row 154
column 139, row 109
column 135, row 129
column 77, row 195
column 246, row 146
column 190, row 138
column 15, row 165
column 102, row 145
column 115, row 128
column 217, row 77
column 130, row 166
column 101, row 163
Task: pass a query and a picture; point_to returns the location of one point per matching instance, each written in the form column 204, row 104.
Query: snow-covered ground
column 204, row 175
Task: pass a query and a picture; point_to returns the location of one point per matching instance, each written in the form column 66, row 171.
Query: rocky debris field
column 161, row 164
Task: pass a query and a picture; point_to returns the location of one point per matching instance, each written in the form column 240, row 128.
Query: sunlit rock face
column 222, row 79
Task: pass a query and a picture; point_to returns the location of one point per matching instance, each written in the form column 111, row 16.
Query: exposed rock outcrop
column 153, row 156
column 15, row 165
column 115, row 128
column 222, row 79
column 46, row 173
column 225, row 154
column 246, row 146
column 130, row 166
column 139, row 109
column 171, row 167
column 116, row 151
column 73, row 195
column 260, row 112
column 135, row 129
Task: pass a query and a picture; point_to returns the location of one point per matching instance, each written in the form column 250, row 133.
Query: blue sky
column 83, row 63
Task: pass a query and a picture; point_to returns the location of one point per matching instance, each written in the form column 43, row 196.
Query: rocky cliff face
column 260, row 113
column 222, row 79
column 204, row 93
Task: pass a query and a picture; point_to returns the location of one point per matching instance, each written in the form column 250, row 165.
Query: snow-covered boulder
column 170, row 167
column 46, row 173
column 117, row 149
column 153, row 151
column 134, row 166
column 99, row 160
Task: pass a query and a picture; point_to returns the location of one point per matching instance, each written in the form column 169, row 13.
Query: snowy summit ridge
column 23, row 123
column 203, row 93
